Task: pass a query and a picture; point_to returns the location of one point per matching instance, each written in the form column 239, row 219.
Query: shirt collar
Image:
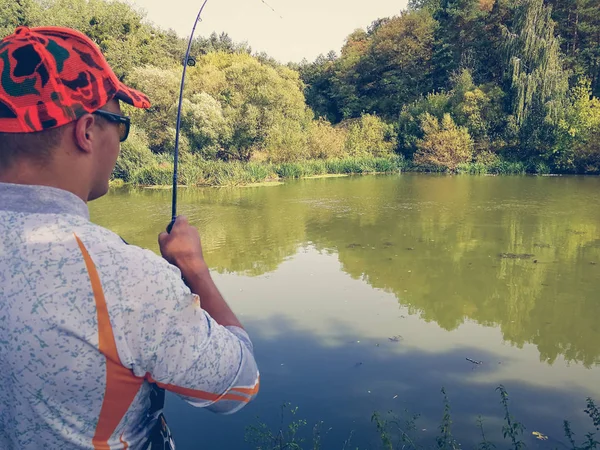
column 34, row 199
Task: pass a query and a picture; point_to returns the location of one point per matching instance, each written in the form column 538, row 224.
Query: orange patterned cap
column 51, row 76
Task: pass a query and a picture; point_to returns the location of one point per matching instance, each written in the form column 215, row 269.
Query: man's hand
column 183, row 248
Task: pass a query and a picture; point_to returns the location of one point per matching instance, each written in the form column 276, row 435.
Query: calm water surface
column 369, row 293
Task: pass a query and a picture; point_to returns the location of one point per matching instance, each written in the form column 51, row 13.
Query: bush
column 444, row 145
column 286, row 142
column 324, row 141
column 369, row 136
column 134, row 155
column 154, row 175
column 409, row 124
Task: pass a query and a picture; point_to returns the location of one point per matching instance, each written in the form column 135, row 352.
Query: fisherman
column 92, row 330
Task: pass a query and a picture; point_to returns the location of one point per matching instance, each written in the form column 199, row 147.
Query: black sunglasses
column 124, row 122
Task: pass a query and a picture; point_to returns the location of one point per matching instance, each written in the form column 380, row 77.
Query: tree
column 463, row 40
column 578, row 23
column 578, row 145
column 15, row 13
column 263, row 106
column 480, row 110
column 205, row 125
column 159, row 121
column 538, row 82
column 395, row 68
column 410, row 132
column 116, row 27
column 320, row 90
column 431, row 5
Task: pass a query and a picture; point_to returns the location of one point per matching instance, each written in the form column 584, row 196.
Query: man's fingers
column 180, row 221
column 162, row 236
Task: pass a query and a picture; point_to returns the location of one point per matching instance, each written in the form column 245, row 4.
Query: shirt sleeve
column 173, row 342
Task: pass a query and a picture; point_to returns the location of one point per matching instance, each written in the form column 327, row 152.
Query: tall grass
column 199, row 172
column 195, row 171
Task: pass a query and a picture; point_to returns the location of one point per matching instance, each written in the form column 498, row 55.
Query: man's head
column 60, row 119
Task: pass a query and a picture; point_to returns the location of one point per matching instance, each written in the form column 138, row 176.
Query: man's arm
column 196, row 349
column 183, row 249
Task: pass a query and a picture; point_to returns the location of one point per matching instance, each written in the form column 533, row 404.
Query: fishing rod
column 187, row 61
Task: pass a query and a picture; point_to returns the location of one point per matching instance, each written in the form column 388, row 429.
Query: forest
column 477, row 86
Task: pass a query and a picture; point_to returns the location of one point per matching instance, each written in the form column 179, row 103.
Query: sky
column 298, row 29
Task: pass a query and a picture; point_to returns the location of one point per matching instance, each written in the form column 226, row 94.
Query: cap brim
column 132, row 97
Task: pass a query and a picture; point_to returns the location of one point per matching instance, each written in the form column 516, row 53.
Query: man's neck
column 41, row 177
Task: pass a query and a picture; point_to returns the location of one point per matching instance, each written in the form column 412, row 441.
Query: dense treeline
column 445, row 85
column 465, row 80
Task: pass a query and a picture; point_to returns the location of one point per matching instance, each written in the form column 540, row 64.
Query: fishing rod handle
column 170, row 226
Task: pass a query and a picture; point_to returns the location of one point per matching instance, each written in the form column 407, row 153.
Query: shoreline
column 278, row 181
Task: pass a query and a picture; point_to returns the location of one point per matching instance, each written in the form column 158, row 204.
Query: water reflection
column 433, row 242
column 323, row 342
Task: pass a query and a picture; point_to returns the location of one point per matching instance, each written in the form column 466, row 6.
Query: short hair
column 35, row 147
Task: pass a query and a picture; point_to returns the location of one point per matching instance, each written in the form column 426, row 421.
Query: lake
column 369, row 293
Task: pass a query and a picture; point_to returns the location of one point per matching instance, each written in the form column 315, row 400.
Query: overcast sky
column 308, row 27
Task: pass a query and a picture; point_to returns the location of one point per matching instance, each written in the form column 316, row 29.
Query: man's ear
column 85, row 132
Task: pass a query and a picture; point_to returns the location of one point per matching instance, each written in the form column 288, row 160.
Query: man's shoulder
column 110, row 251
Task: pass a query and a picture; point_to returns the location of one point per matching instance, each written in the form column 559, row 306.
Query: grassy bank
column 199, row 172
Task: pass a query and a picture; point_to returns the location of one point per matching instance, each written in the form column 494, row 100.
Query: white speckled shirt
column 90, row 327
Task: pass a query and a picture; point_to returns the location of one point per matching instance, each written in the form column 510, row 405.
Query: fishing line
column 272, row 9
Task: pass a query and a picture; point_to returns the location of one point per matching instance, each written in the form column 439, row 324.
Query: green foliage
column 153, row 175
column 577, row 147
column 284, row 439
column 377, row 72
column 484, row 444
column 479, row 109
column 445, row 440
column 409, row 124
column 444, row 145
column 590, row 443
column 396, row 65
column 17, row 13
column 114, row 26
column 162, row 86
column 578, row 24
column 593, row 412
column 134, row 156
column 196, row 171
column 460, row 39
column 499, row 68
column 512, row 428
column 325, row 141
column 205, row 125
column 476, row 108
column 263, row 107
column 539, row 83
column 495, row 166
column 369, row 135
